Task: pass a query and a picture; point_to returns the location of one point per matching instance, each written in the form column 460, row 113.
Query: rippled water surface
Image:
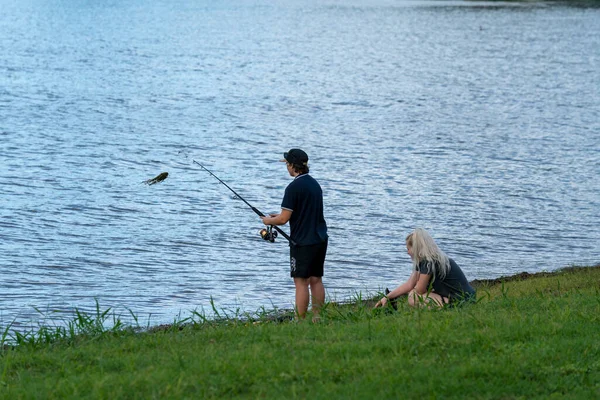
column 479, row 121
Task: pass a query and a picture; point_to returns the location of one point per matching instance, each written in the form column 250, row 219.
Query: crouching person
column 436, row 280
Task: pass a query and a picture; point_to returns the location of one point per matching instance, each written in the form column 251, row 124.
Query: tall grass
column 81, row 325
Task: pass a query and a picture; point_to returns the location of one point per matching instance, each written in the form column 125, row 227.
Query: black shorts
column 307, row 261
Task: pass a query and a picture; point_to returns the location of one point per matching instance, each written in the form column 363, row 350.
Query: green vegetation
column 525, row 339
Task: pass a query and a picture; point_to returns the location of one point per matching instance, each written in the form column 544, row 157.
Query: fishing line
column 266, row 233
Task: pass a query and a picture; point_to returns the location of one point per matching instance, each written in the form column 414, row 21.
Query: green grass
column 535, row 338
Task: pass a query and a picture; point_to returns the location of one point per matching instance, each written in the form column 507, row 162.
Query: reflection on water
column 476, row 120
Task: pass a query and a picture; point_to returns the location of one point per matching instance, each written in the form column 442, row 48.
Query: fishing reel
column 268, row 234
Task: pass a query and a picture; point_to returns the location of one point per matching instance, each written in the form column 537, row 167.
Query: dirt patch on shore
column 526, row 275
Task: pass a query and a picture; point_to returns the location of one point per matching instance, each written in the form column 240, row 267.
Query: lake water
column 479, row 121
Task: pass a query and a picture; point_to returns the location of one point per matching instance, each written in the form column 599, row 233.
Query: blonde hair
column 425, row 249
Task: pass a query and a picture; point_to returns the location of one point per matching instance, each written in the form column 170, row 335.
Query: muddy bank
column 477, row 283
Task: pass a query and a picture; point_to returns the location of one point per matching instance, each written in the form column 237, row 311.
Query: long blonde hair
column 424, row 248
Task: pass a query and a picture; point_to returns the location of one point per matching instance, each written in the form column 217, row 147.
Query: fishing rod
column 265, row 233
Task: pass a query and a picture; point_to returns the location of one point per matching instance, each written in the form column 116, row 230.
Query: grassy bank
column 528, row 337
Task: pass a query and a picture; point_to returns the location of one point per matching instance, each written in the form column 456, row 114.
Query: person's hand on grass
column 382, row 302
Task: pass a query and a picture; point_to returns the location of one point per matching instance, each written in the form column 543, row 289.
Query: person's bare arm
column 422, row 284
column 278, row 219
column 400, row 290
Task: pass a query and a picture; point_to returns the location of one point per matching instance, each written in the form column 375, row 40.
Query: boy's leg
column 317, row 291
column 302, row 296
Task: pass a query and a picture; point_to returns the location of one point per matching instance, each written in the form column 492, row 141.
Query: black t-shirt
column 454, row 284
column 304, row 198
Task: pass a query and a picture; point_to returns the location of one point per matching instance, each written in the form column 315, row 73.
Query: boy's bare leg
column 317, row 291
column 302, row 296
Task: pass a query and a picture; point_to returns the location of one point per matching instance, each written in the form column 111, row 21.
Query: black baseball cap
column 296, row 156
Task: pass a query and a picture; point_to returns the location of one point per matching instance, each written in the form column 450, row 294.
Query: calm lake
column 479, row 121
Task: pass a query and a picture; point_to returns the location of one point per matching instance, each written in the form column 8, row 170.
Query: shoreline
column 285, row 315
column 277, row 315
column 522, row 276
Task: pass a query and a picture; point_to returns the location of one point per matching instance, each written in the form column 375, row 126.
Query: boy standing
column 302, row 206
